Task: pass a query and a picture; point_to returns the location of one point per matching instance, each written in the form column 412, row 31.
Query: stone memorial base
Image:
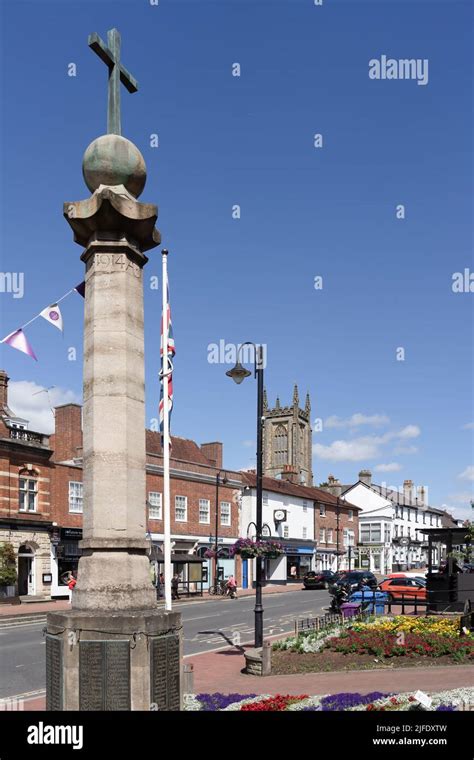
column 126, row 660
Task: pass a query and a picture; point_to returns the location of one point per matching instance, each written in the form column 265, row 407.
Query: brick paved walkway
column 221, row 671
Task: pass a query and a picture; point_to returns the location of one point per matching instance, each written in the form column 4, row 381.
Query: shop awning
column 156, row 555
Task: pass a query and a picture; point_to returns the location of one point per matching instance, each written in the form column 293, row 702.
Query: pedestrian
column 293, row 572
column 174, row 586
column 71, row 581
column 231, row 587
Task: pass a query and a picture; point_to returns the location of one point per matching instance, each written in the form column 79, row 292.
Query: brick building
column 26, row 506
column 41, row 500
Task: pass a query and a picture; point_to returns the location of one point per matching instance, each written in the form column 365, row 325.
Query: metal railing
column 368, row 606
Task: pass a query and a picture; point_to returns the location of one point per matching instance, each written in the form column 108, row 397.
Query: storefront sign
column 55, row 536
column 71, row 534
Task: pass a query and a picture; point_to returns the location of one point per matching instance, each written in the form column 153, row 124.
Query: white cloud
column 410, row 431
column 248, row 444
column 356, row 420
column 461, row 509
column 391, row 467
column 348, row 451
column 468, row 426
column 37, row 408
column 406, row 450
column 468, row 473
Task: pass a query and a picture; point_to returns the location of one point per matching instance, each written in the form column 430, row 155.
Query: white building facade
column 390, row 527
column 288, row 517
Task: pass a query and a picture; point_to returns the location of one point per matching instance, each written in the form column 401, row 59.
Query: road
column 208, row 625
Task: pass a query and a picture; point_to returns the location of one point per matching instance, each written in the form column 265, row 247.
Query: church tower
column 287, row 440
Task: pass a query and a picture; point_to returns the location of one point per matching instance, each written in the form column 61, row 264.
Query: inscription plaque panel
column 165, row 672
column 104, row 675
column 54, row 673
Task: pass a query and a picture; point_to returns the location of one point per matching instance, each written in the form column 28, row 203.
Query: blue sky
column 305, row 212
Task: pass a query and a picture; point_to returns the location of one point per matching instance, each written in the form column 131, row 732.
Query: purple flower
column 344, row 700
column 445, row 708
column 218, row 701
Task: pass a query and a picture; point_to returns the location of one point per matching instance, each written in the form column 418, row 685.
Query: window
column 348, row 537
column 75, row 496
column 286, row 531
column 225, row 513
column 322, row 510
column 305, row 506
column 305, row 532
column 387, row 534
column 370, row 533
column 265, row 497
column 181, row 508
column 204, row 510
column 280, row 445
column 28, row 494
column 409, row 514
column 154, row 502
column 350, row 514
column 322, row 536
column 330, row 540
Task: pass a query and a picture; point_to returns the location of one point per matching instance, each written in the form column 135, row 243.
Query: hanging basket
column 247, row 553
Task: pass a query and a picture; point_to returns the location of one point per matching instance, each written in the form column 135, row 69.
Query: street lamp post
column 216, row 567
column 239, row 373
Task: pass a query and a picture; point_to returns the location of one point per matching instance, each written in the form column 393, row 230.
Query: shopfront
column 65, row 554
column 299, row 559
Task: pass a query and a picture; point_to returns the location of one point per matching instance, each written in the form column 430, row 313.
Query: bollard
column 266, row 658
column 188, row 678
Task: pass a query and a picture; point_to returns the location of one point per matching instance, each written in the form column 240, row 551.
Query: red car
column 397, row 586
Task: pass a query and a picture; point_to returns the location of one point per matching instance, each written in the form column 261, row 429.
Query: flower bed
column 406, row 624
column 384, row 644
column 455, row 699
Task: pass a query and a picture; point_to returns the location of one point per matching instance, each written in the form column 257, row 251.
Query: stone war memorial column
column 115, row 650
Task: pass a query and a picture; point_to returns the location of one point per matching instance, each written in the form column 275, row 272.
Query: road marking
column 203, row 617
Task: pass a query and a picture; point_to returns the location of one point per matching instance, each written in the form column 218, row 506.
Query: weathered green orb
column 114, row 160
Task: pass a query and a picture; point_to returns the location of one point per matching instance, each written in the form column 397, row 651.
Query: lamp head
column 238, row 373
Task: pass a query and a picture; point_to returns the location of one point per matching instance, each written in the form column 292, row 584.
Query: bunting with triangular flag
column 52, row 314
column 19, row 341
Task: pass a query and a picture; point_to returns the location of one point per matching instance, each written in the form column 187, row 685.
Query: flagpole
column 166, row 436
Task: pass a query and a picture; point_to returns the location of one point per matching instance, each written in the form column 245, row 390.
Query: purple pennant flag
column 19, row 341
column 81, row 289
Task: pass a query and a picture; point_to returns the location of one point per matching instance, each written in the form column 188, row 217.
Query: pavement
column 55, row 605
column 222, row 671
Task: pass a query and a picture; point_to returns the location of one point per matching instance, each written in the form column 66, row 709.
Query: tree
column 8, row 573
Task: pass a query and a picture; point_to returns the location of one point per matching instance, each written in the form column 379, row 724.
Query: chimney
column 67, row 439
column 366, row 477
column 421, row 497
column 213, row 452
column 3, row 390
column 408, row 491
column 334, row 487
column 290, row 473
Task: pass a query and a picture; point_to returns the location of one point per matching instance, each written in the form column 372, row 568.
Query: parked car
column 353, row 578
column 319, row 579
column 419, row 578
column 397, row 586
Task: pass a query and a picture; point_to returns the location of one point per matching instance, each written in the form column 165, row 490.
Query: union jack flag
column 166, row 366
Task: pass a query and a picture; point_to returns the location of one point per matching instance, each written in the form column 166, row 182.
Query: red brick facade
column 54, row 463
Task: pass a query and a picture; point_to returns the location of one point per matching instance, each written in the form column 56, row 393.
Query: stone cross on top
column 110, row 54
